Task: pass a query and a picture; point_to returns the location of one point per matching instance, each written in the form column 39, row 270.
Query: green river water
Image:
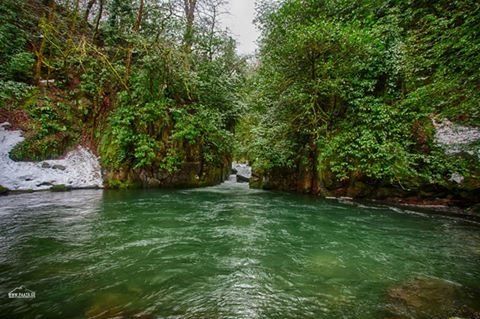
column 227, row 252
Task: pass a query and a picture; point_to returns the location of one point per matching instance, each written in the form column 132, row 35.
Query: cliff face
column 189, row 174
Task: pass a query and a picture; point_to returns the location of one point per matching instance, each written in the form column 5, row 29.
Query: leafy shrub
column 20, row 66
column 11, row 91
column 131, row 138
column 52, row 131
column 37, row 148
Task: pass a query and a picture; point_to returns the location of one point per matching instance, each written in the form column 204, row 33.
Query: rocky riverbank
column 458, row 193
column 80, row 168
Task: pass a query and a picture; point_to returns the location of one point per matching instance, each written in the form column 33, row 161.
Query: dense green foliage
column 342, row 91
column 146, row 85
column 346, row 90
column 53, row 130
column 16, row 62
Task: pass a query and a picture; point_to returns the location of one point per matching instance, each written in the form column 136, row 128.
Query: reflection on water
column 222, row 252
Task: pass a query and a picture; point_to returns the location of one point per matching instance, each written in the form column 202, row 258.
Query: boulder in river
column 243, row 172
column 242, row 179
column 429, row 297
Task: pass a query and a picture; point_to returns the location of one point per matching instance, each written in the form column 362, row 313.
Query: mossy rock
column 120, row 184
column 120, row 179
column 475, row 209
column 4, row 190
column 359, row 190
column 429, row 297
column 471, row 183
column 256, row 181
column 60, row 188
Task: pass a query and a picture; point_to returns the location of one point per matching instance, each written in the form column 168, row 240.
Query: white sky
column 240, row 23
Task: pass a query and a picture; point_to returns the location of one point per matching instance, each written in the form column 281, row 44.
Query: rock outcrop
column 242, row 171
column 189, row 175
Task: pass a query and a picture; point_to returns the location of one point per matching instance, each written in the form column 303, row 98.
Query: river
column 224, row 252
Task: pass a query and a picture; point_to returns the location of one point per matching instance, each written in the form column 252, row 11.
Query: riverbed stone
column 46, row 165
column 109, row 305
column 59, row 167
column 116, row 305
column 44, row 184
column 429, row 297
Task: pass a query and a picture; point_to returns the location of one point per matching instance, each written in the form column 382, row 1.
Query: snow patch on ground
column 79, row 169
column 455, row 138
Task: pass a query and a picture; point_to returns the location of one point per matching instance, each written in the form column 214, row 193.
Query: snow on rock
column 457, row 178
column 79, row 169
column 242, row 169
column 455, row 138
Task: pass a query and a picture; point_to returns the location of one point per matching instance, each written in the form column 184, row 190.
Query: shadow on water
column 231, row 252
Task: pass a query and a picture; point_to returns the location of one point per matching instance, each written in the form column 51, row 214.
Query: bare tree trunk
column 38, row 64
column 315, row 186
column 99, row 17
column 212, row 33
column 89, row 8
column 39, row 52
column 189, row 6
column 75, row 15
column 136, row 28
column 215, row 10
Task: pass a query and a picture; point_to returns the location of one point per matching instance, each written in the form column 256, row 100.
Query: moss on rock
column 4, row 190
column 60, row 188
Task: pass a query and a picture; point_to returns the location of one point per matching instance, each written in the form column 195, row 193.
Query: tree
column 190, row 9
column 136, row 28
column 343, row 89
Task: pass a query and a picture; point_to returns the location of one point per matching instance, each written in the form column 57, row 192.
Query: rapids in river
column 231, row 252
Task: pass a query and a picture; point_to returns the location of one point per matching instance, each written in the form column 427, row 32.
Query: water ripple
column 220, row 252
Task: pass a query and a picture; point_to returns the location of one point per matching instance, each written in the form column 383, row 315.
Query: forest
column 152, row 169
column 342, row 98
